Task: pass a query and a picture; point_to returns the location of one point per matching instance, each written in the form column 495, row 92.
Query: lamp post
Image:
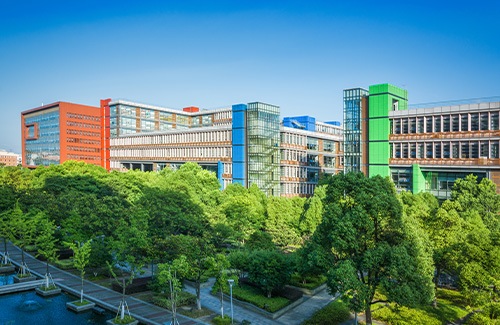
column 231, row 281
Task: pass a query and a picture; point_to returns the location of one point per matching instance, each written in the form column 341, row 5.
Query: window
column 446, row 123
column 420, row 125
column 484, row 149
column 494, row 121
column 446, row 150
column 484, row 122
column 465, row 149
column 428, row 124
column 455, row 123
column 437, row 124
column 474, row 122
column 464, row 122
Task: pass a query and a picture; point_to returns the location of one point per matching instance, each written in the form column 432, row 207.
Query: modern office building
column 54, row 133
column 421, row 147
column 243, row 143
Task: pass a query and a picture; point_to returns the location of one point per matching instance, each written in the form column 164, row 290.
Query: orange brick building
column 54, row 133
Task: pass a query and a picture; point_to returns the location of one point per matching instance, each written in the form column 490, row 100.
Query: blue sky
column 298, row 55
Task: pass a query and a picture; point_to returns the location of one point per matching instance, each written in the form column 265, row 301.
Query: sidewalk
column 293, row 317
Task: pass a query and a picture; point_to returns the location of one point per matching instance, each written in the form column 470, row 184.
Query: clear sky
column 298, row 55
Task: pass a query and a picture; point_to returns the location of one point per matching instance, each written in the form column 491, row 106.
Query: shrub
column 183, row 299
column 335, row 312
column 308, row 282
column 480, row 319
column 65, row 264
column 217, row 320
column 127, row 319
column 137, row 285
column 254, row 296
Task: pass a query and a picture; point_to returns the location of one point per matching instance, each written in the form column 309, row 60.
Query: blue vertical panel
column 220, row 171
column 239, row 144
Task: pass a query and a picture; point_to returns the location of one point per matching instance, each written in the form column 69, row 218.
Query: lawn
column 255, row 296
column 334, row 313
column 450, row 307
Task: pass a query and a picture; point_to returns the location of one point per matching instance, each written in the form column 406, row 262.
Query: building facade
column 54, row 133
column 425, row 147
column 243, row 143
column 9, row 158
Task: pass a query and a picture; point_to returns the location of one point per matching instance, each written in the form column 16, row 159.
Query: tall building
column 425, row 147
column 54, row 133
column 243, row 143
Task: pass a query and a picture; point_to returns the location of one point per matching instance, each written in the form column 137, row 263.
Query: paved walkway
column 146, row 313
column 294, row 316
column 150, row 314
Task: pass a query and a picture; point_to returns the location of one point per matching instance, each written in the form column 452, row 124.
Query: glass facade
column 263, row 136
column 352, row 129
column 43, row 148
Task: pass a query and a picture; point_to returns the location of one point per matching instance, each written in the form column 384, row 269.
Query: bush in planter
column 217, row 320
column 82, row 302
column 127, row 319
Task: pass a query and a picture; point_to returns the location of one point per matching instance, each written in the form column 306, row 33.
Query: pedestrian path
column 145, row 312
column 294, row 316
column 150, row 314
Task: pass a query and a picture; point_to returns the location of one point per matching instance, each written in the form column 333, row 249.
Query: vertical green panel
column 379, row 170
column 383, row 99
column 379, row 129
column 418, row 179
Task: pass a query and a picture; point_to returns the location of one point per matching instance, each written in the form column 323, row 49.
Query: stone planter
column 18, row 279
column 112, row 322
column 79, row 308
column 47, row 293
column 7, row 269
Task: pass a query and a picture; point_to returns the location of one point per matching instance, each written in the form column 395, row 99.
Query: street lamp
column 231, row 281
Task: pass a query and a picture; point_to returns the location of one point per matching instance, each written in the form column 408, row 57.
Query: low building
column 9, row 158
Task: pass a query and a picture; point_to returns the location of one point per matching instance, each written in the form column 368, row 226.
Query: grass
column 255, row 296
column 310, row 281
column 126, row 320
column 81, row 303
column 334, row 313
column 450, row 307
column 65, row 264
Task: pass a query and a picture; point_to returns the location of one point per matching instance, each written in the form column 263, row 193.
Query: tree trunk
column 81, row 291
column 368, row 314
column 23, row 265
column 198, row 295
column 221, row 303
column 5, row 246
column 436, row 283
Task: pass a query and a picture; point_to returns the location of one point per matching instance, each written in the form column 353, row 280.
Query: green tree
column 313, row 212
column 282, row 221
column 23, row 232
column 221, row 264
column 243, row 210
column 171, row 274
column 478, row 265
column 46, row 244
column 80, row 259
column 260, row 240
column 269, row 270
column 370, row 245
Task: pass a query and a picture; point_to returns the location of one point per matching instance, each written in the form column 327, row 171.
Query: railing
column 456, row 102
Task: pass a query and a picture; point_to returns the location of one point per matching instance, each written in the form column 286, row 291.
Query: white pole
column 231, row 281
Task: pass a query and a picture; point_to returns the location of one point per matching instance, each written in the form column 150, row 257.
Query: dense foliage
column 366, row 238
